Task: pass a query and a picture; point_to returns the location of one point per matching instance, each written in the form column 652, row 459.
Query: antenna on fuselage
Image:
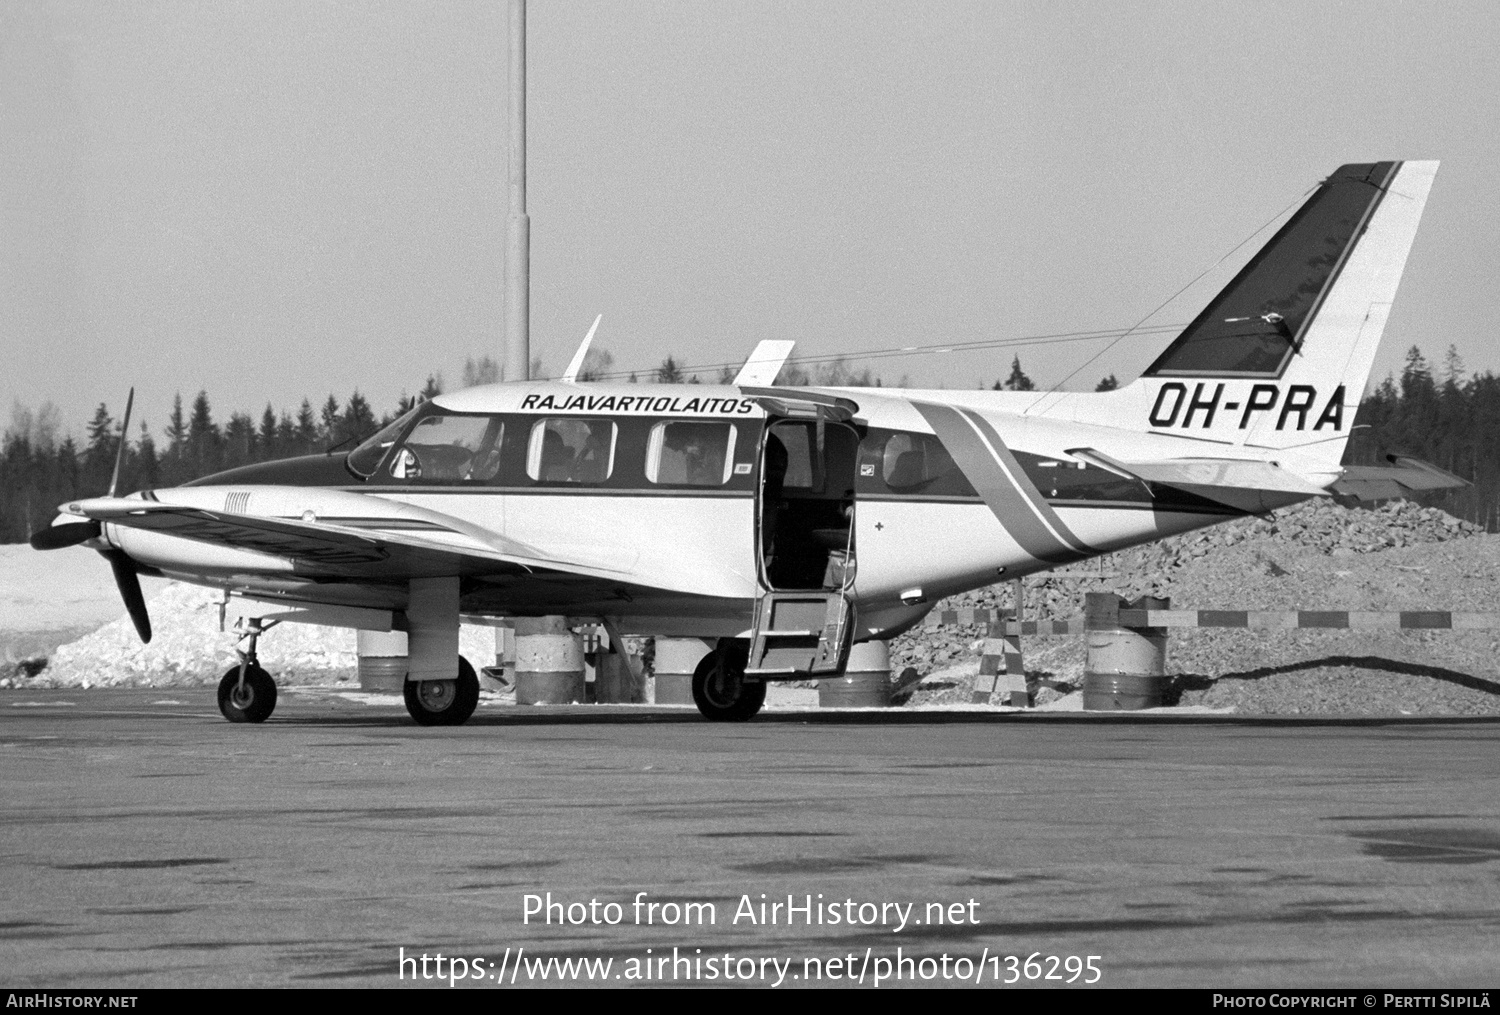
column 762, row 365
column 570, row 375
column 114, row 479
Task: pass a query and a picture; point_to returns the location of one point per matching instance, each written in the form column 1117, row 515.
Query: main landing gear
column 247, row 693
column 721, row 690
column 444, row 702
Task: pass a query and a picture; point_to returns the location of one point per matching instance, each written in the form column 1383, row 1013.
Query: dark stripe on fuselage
column 1006, row 501
column 1159, row 507
column 1028, row 488
column 545, row 491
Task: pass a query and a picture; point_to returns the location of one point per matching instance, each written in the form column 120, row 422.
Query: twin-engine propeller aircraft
column 786, row 523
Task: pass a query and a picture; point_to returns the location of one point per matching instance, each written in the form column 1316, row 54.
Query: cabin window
column 912, row 460
column 449, row 449
column 571, row 451
column 691, row 453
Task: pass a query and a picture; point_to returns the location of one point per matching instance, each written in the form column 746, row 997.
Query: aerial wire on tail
column 977, row 345
column 1137, row 327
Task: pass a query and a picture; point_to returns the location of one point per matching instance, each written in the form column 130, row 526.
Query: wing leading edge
column 364, row 549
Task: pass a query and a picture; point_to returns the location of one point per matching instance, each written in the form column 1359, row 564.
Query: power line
column 936, row 348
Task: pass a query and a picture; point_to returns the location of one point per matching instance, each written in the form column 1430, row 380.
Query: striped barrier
column 967, row 616
column 976, row 616
column 1266, row 620
column 1002, row 667
column 1294, row 620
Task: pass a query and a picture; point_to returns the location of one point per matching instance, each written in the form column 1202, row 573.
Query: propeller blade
column 130, row 591
column 66, row 534
column 114, row 480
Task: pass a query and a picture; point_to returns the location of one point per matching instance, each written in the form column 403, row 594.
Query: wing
column 354, row 548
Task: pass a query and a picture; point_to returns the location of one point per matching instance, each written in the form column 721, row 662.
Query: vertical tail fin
column 1280, row 357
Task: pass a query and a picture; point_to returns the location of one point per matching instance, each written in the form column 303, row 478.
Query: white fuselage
column 1000, row 498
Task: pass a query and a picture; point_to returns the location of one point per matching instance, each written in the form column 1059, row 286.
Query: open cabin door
column 804, row 619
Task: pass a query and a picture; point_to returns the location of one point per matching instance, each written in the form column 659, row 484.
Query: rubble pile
column 1320, row 525
column 1315, row 555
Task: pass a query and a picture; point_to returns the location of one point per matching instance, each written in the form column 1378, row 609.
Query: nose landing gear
column 247, row 693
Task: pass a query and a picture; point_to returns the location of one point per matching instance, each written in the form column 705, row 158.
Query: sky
column 280, row 199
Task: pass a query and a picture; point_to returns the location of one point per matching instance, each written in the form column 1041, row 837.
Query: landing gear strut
column 247, row 693
column 721, row 690
column 444, row 702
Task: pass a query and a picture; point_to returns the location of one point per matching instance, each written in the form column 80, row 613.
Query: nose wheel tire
column 254, row 702
column 720, row 688
column 444, row 702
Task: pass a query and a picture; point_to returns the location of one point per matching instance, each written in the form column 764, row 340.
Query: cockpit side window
column 449, row 448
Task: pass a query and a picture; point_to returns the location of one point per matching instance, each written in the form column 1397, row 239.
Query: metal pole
column 545, row 649
column 518, row 226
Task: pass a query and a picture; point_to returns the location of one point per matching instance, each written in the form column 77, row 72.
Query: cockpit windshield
column 365, row 459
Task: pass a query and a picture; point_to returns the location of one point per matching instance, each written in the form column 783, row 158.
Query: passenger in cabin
column 574, row 451
column 693, row 453
column 592, row 463
column 557, row 458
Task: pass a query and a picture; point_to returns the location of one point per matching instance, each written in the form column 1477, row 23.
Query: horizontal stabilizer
column 1407, row 476
column 1247, row 485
